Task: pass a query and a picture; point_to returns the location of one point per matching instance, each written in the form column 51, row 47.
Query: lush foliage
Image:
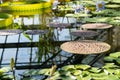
column 110, row 71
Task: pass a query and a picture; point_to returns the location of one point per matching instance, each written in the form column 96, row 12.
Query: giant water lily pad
column 23, row 6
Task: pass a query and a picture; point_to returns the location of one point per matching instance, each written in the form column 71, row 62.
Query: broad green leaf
column 79, row 77
column 110, row 65
column 68, row 67
column 37, row 72
column 94, row 70
column 7, row 77
column 30, row 72
column 63, row 72
column 5, row 69
column 117, row 72
column 87, row 78
column 82, row 66
column 116, row 1
column 44, row 71
column 118, row 61
column 85, row 73
column 111, row 71
column 76, row 72
column 99, row 76
column 116, row 54
column 113, row 77
column 65, row 78
column 109, row 58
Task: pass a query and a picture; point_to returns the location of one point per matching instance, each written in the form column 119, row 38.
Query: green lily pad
column 104, row 12
column 112, row 6
column 110, row 71
column 115, row 1
column 118, row 60
column 76, row 72
column 97, row 19
column 65, row 78
column 44, row 71
column 110, row 65
column 82, row 66
column 63, row 72
column 116, row 54
column 87, row 2
column 109, row 59
column 99, row 76
column 113, row 77
column 94, row 70
column 87, row 78
column 68, row 67
column 117, row 72
column 79, row 77
column 85, row 73
column 37, row 72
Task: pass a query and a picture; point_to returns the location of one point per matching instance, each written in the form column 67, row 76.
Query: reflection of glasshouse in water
column 59, row 40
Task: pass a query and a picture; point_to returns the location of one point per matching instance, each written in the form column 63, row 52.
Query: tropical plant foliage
column 110, row 71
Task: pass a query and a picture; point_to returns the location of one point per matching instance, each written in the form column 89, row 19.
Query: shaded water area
column 43, row 50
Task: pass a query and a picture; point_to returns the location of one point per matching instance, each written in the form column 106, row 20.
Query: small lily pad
column 82, row 66
column 113, row 77
column 109, row 59
column 68, row 67
column 116, row 54
column 110, row 65
column 87, row 78
column 118, row 61
column 100, row 76
column 76, row 72
column 95, row 70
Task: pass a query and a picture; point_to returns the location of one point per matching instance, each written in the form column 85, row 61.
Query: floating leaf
column 109, row 58
column 110, row 71
column 44, row 71
column 63, row 72
column 116, row 54
column 79, row 77
column 65, row 78
column 100, row 76
column 82, row 66
column 68, row 67
column 85, row 73
column 118, row 60
column 110, row 65
column 95, row 70
column 113, row 77
column 87, row 78
column 5, row 69
column 76, row 72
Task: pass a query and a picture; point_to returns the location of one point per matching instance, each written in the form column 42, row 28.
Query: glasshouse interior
column 59, row 40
